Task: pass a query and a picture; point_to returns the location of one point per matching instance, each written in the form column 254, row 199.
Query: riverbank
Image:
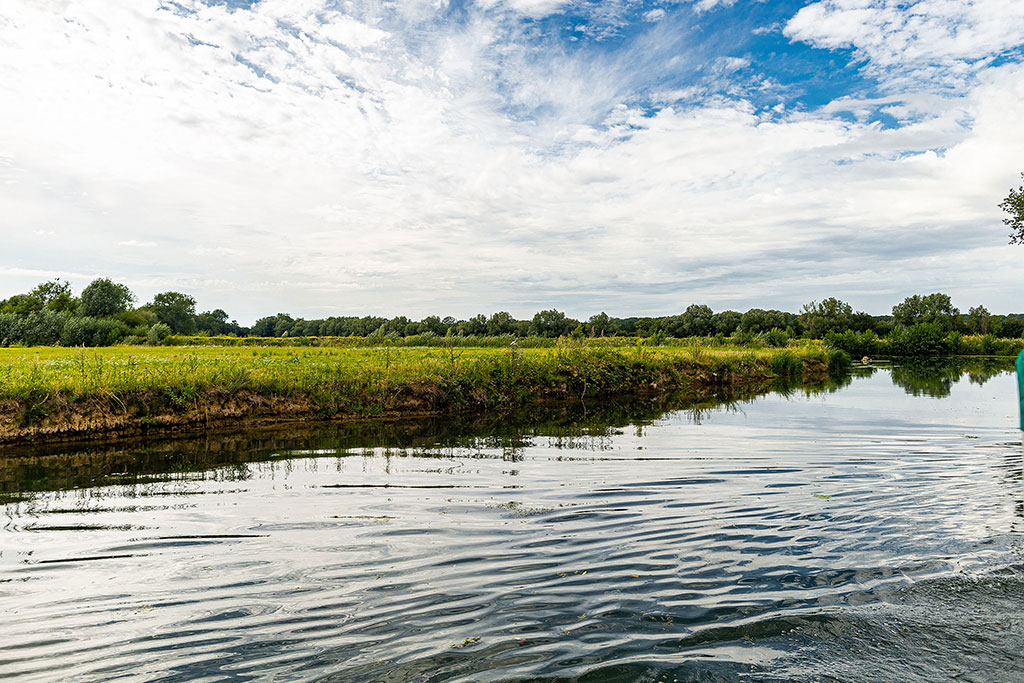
column 54, row 394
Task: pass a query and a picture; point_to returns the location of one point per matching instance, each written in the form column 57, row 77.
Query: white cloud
column 945, row 39
column 531, row 8
column 292, row 157
column 707, row 5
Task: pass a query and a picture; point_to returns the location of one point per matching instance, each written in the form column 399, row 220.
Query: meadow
column 57, row 392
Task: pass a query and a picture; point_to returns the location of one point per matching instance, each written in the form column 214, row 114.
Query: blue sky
column 409, row 158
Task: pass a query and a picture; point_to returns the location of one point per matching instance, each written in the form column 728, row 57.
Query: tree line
column 105, row 313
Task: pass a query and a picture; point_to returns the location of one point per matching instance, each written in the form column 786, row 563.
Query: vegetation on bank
column 47, row 392
column 921, row 340
column 104, row 314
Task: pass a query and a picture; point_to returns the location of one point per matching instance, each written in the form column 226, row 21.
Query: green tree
column 477, row 325
column 1012, row 328
column 103, row 298
column 551, row 323
column 830, row 315
column 601, row 325
column 276, row 325
column 176, row 310
column 434, row 324
column 759, row 320
column 978, row 319
column 21, row 304
column 645, row 327
column 55, row 295
column 726, row 322
column 698, row 320
column 934, row 308
column 1014, row 205
column 216, row 322
column 501, row 322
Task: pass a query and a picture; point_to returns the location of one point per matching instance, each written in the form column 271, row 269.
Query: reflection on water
column 935, row 377
column 867, row 530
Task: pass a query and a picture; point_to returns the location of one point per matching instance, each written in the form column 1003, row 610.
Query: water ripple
column 851, row 534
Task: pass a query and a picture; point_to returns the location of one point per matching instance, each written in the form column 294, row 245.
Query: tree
column 759, row 320
column 551, row 323
column 601, row 325
column 55, row 295
column 934, row 308
column 1014, row 205
column 726, row 322
column 433, row 324
column 216, row 322
column 21, row 304
column 278, row 325
column 501, row 322
column 830, row 315
column 978, row 319
column 1012, row 328
column 103, row 298
column 477, row 325
column 176, row 310
column 698, row 320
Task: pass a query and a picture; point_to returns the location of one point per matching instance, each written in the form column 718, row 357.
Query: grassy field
column 71, row 391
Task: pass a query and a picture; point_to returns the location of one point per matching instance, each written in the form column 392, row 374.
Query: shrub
column 776, row 338
column 920, row 339
column 158, row 333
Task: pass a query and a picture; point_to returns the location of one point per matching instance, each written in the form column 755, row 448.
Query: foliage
column 859, row 345
column 176, row 310
column 1014, row 206
column 216, row 322
column 501, row 322
column 55, row 295
column 759, row 320
column 600, row 325
column 1011, row 328
column 50, row 314
column 551, row 323
column 978, row 319
column 726, row 322
column 777, row 338
column 103, row 298
column 934, row 309
column 830, row 315
column 158, row 333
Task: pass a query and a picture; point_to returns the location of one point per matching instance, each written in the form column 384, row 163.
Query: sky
column 413, row 157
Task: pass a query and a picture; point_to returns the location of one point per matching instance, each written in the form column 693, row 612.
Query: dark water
column 871, row 532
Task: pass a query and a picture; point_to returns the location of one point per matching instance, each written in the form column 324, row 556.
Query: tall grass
column 39, row 385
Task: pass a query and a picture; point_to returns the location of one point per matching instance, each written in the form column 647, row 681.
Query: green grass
column 43, row 386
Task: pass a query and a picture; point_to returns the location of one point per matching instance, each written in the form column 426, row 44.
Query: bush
column 776, row 338
column 158, row 333
column 10, row 328
column 921, row 339
column 839, row 362
column 93, row 332
column 864, row 344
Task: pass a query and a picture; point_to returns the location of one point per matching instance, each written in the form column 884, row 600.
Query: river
column 870, row 531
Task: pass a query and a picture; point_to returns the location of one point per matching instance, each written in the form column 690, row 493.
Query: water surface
column 869, row 532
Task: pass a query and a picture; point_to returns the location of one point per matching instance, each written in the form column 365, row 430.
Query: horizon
column 314, row 157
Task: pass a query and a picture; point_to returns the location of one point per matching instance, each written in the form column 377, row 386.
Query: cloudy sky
column 327, row 157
